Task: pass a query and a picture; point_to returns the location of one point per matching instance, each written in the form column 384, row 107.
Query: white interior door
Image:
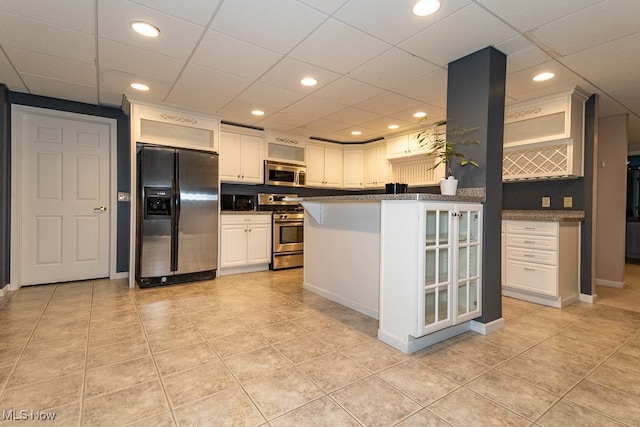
column 65, row 224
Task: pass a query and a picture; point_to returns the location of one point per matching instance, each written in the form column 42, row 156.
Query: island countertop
column 552, row 215
column 476, row 195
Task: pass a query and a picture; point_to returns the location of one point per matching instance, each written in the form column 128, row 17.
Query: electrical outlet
column 568, row 202
column 546, row 202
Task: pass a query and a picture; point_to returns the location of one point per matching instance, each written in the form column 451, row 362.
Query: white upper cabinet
column 157, row 124
column 405, row 146
column 376, row 166
column 324, row 165
column 353, row 175
column 544, row 138
column 241, row 158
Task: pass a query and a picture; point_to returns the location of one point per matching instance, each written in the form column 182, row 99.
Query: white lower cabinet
column 431, row 277
column 245, row 240
column 541, row 261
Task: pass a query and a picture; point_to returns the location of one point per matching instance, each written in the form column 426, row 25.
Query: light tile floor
column 257, row 350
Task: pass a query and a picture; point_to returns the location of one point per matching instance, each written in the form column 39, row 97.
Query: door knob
column 100, row 209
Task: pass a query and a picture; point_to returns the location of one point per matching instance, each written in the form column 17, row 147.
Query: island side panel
column 342, row 254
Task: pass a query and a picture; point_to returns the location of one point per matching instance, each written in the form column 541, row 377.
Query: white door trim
column 17, row 113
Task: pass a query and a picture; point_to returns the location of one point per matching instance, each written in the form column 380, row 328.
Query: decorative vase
column 448, row 186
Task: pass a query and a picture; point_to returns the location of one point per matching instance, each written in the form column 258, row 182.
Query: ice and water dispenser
column 157, row 203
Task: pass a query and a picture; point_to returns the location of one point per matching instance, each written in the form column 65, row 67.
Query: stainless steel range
column 288, row 233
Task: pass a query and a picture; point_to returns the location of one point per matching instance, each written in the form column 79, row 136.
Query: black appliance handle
column 175, row 190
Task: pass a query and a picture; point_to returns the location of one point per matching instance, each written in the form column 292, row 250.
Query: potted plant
column 444, row 147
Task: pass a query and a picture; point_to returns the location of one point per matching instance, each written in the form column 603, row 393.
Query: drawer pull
column 529, row 269
column 528, row 256
column 529, row 228
column 530, row 242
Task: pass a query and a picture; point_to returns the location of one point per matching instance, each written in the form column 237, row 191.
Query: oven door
column 288, row 236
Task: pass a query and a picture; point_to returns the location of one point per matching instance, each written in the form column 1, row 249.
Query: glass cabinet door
column 436, row 301
column 468, row 273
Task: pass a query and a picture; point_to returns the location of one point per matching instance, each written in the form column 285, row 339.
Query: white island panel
column 342, row 255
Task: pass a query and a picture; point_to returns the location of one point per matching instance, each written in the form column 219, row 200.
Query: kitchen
column 554, row 190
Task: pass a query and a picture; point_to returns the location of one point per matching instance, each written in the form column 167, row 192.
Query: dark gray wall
column 475, row 100
column 5, row 185
column 123, row 179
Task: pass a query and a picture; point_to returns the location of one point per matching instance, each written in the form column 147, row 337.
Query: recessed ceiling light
column 425, row 7
column 145, row 29
column 139, row 86
column 356, row 133
column 419, row 114
column 257, row 113
column 309, row 81
column 393, row 126
column 543, row 76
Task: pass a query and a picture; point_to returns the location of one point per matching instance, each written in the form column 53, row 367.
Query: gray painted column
column 475, row 100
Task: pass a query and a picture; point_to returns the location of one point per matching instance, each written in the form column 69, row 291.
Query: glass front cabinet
column 431, row 273
column 450, row 291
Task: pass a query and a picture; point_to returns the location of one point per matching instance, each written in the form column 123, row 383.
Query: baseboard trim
column 610, row 283
column 487, row 328
column 591, row 299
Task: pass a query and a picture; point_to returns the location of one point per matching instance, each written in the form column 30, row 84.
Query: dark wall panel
column 5, row 185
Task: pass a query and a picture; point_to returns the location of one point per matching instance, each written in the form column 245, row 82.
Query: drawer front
column 534, row 278
column 540, row 228
column 532, row 242
column 532, row 256
column 245, row 219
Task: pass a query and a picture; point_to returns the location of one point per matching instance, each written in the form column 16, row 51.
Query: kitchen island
column 412, row 261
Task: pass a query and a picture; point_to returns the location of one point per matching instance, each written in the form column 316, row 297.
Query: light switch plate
column 568, row 202
column 123, row 197
column 546, row 202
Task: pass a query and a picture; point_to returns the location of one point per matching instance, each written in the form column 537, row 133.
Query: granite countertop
column 557, row 215
column 254, row 212
column 464, row 195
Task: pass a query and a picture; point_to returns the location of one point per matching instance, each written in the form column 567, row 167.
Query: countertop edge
column 476, row 195
column 557, row 215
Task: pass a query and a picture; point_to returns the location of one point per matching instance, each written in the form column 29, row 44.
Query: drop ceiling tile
column 392, row 69
column 347, row 91
column 76, row 15
column 177, row 39
column 528, row 15
column 458, row 35
column 288, row 72
column 269, row 96
column 522, row 53
column 198, row 12
column 338, row 47
column 314, row 108
column 591, row 26
column 427, row 87
column 129, row 59
column 8, row 74
column 522, row 81
column 392, row 21
column 198, row 77
column 39, row 64
column 387, row 103
column 595, row 63
column 110, row 97
column 324, row 6
column 27, row 34
column 277, row 26
column 239, row 111
column 434, row 113
column 121, row 82
column 324, row 126
column 346, row 136
column 353, row 116
column 197, row 99
column 220, row 52
column 61, row 89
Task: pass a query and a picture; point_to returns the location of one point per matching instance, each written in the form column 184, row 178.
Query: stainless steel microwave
column 284, row 174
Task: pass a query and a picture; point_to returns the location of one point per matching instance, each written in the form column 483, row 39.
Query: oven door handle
column 289, row 223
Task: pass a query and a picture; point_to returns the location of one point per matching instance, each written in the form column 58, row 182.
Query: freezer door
column 197, row 212
column 155, row 171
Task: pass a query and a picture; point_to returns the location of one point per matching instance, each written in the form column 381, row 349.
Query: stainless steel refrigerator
column 177, row 215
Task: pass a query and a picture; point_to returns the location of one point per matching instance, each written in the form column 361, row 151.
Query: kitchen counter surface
column 476, row 195
column 246, row 212
column 558, row 215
